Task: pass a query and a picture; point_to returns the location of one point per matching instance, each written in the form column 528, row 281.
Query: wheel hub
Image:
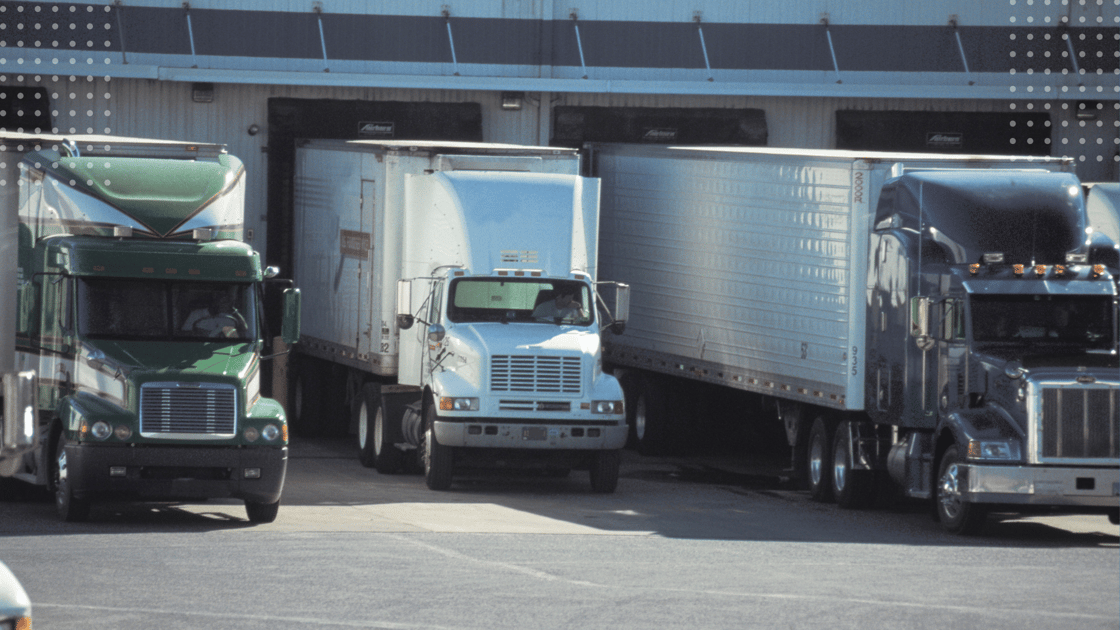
column 816, row 462
column 950, row 492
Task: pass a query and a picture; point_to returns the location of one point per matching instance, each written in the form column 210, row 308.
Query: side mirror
column 621, row 304
column 919, row 322
column 404, row 304
column 289, row 329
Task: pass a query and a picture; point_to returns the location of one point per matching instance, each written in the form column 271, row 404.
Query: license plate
column 534, row 433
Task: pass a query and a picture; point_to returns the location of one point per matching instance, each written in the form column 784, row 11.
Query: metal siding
column 328, row 191
column 719, row 250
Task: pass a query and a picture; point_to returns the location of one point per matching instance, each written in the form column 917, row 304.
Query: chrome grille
column 196, row 409
column 1078, row 423
column 527, row 373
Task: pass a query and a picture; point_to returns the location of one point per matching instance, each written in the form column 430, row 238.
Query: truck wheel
column 852, row 489
column 819, row 461
column 388, row 459
column 70, row 508
column 604, row 471
column 306, row 401
column 631, row 382
column 956, row 515
column 438, row 459
column 650, row 422
column 369, row 403
column 262, row 512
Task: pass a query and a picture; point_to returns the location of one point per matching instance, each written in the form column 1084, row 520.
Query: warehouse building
column 1038, row 77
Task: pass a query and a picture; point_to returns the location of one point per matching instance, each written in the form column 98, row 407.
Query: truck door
column 56, row 353
column 951, row 352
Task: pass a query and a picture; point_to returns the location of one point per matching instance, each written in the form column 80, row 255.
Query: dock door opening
column 291, row 118
column 572, row 126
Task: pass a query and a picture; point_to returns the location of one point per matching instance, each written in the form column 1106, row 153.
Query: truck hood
column 132, row 358
column 498, row 339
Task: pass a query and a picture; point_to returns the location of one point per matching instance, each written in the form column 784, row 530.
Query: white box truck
column 940, row 321
column 454, row 311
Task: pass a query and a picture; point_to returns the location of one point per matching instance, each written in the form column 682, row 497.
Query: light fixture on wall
column 512, row 100
column 202, row 92
column 1088, row 110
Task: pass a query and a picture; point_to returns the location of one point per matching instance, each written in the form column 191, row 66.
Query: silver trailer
column 853, row 291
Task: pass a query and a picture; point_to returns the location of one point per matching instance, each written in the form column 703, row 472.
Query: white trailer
column 423, row 264
column 860, row 294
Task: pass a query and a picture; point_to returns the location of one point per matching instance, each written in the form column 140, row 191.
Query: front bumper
column 1043, row 486
column 535, row 434
column 163, row 473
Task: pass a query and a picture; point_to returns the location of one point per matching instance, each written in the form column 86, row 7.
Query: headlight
column 270, row 432
column 610, row 407
column 993, row 449
column 251, row 434
column 101, row 429
column 123, row 432
column 448, row 403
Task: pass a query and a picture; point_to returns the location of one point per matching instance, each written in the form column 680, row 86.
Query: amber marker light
column 1040, row 270
column 1098, row 270
column 1018, row 269
column 1059, row 270
column 974, row 268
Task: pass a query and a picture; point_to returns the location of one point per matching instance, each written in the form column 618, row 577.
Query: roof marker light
column 1040, row 270
column 1018, row 269
column 974, row 268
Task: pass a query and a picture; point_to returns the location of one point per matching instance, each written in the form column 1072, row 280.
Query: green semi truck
column 140, row 310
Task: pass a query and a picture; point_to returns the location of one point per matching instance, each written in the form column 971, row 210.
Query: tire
column 387, row 458
column 650, row 420
column 631, row 383
column 956, row 515
column 818, row 467
column 604, row 471
column 70, row 508
column 307, row 400
column 262, row 512
column 369, row 404
column 437, row 458
column 852, row 489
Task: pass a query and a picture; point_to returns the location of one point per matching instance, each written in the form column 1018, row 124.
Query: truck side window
column 951, row 320
column 436, row 307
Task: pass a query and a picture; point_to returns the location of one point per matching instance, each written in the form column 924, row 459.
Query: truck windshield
column 116, row 308
column 1084, row 321
column 529, row 300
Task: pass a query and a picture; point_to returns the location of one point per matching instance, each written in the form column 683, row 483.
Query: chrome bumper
column 1036, row 485
column 511, row 434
